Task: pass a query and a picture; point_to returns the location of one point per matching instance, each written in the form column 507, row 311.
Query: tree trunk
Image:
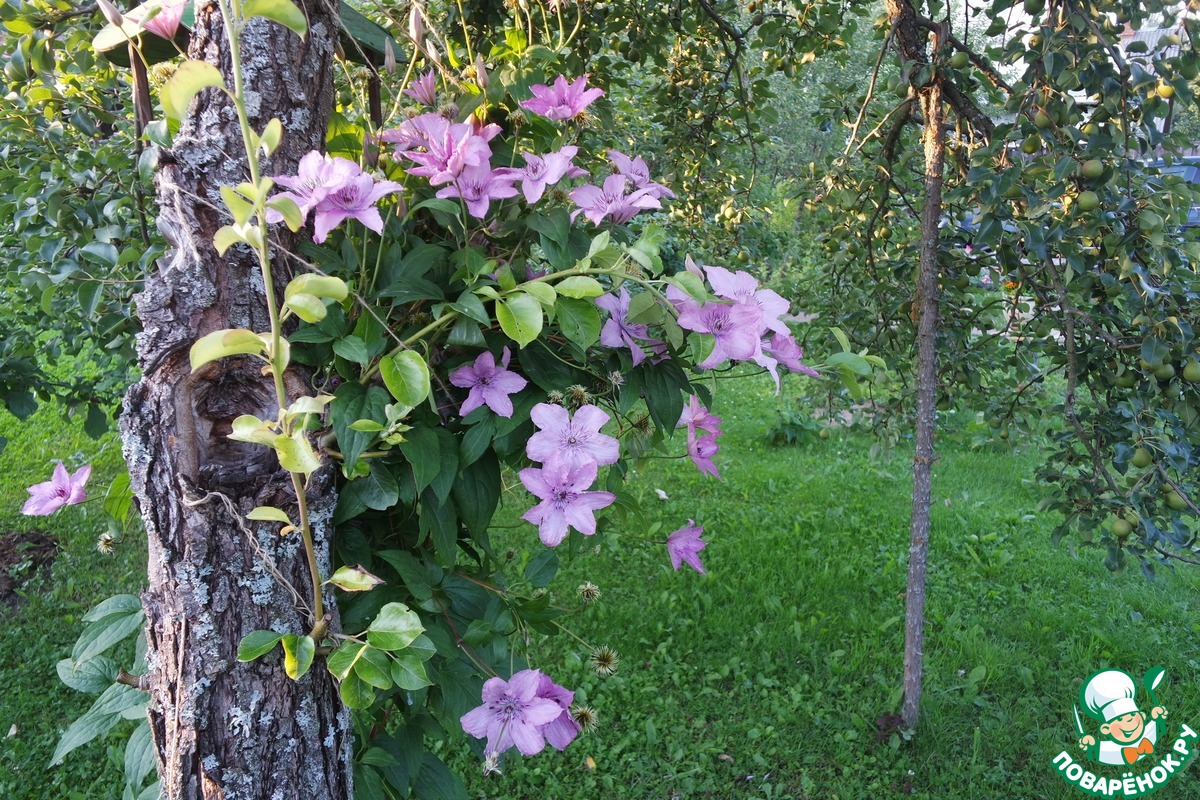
column 224, row 729
column 927, row 386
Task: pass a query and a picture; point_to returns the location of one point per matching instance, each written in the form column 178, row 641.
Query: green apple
column 1088, row 201
column 1191, row 371
column 1141, row 458
column 1093, row 168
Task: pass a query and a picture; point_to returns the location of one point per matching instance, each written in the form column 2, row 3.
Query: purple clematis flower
column 61, row 490
column 736, row 328
column 547, row 170
column 561, row 731
column 638, row 173
column 316, row 176
column 490, row 385
column 354, row 199
column 478, row 186
column 597, row 203
column 742, row 287
column 424, row 89
column 618, row 332
column 566, row 501
column 574, row 441
column 782, row 348
column 701, row 450
column 562, row 101
column 684, row 546
column 512, row 714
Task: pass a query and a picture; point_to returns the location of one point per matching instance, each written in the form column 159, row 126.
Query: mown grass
column 43, row 627
column 767, row 678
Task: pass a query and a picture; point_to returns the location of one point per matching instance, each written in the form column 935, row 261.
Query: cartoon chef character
column 1108, row 697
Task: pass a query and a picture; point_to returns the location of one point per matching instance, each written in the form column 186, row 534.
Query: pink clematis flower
column 355, row 198
column 166, row 22
column 742, row 287
column 424, row 89
column 512, row 714
column 566, row 501
column 736, row 328
column 618, row 332
column 562, row 101
column 574, row 441
column 597, row 203
column 316, row 176
column 701, row 449
column 61, row 490
column 546, row 170
column 684, row 546
column 638, row 173
column 478, row 186
column 490, row 385
column 561, row 731
column 441, row 149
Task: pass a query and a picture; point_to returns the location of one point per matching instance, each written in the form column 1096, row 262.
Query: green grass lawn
column 767, row 678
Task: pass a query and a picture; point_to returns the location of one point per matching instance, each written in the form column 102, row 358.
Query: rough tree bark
column 223, row 729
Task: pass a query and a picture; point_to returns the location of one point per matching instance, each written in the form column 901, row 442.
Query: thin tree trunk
column 927, row 385
column 223, row 729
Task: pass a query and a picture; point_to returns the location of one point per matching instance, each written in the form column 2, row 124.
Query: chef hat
column 1108, row 695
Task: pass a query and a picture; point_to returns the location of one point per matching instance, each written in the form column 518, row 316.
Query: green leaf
column 287, row 208
column 318, row 286
column 544, row 292
column 189, row 78
column 378, row 490
column 298, row 652
column 394, row 628
column 139, row 756
column 690, row 283
column 92, row 676
column 355, row 579
column 102, row 717
column 270, row 138
column 226, row 238
column 296, row 453
column 249, row 428
column 352, row 401
column 356, row 693
column 406, row 376
column 352, row 348
column 269, row 514
column 477, row 493
column 580, row 287
column 436, row 782
column 258, row 644
column 117, row 604
column 107, row 631
column 422, row 448
column 542, row 568
column 238, row 206
column 118, row 501
column 342, row 658
column 97, row 421
column 409, row 673
column 373, row 668
column 224, row 343
column 284, row 12
column 520, row 317
column 579, row 321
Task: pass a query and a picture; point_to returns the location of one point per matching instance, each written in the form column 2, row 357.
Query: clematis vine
column 684, row 546
column 566, row 499
column 575, row 441
column 62, row 489
column 564, row 100
column 490, row 384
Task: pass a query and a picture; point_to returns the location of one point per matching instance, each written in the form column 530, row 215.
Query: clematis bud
column 389, row 57
column 481, row 76
column 110, row 13
column 416, row 25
